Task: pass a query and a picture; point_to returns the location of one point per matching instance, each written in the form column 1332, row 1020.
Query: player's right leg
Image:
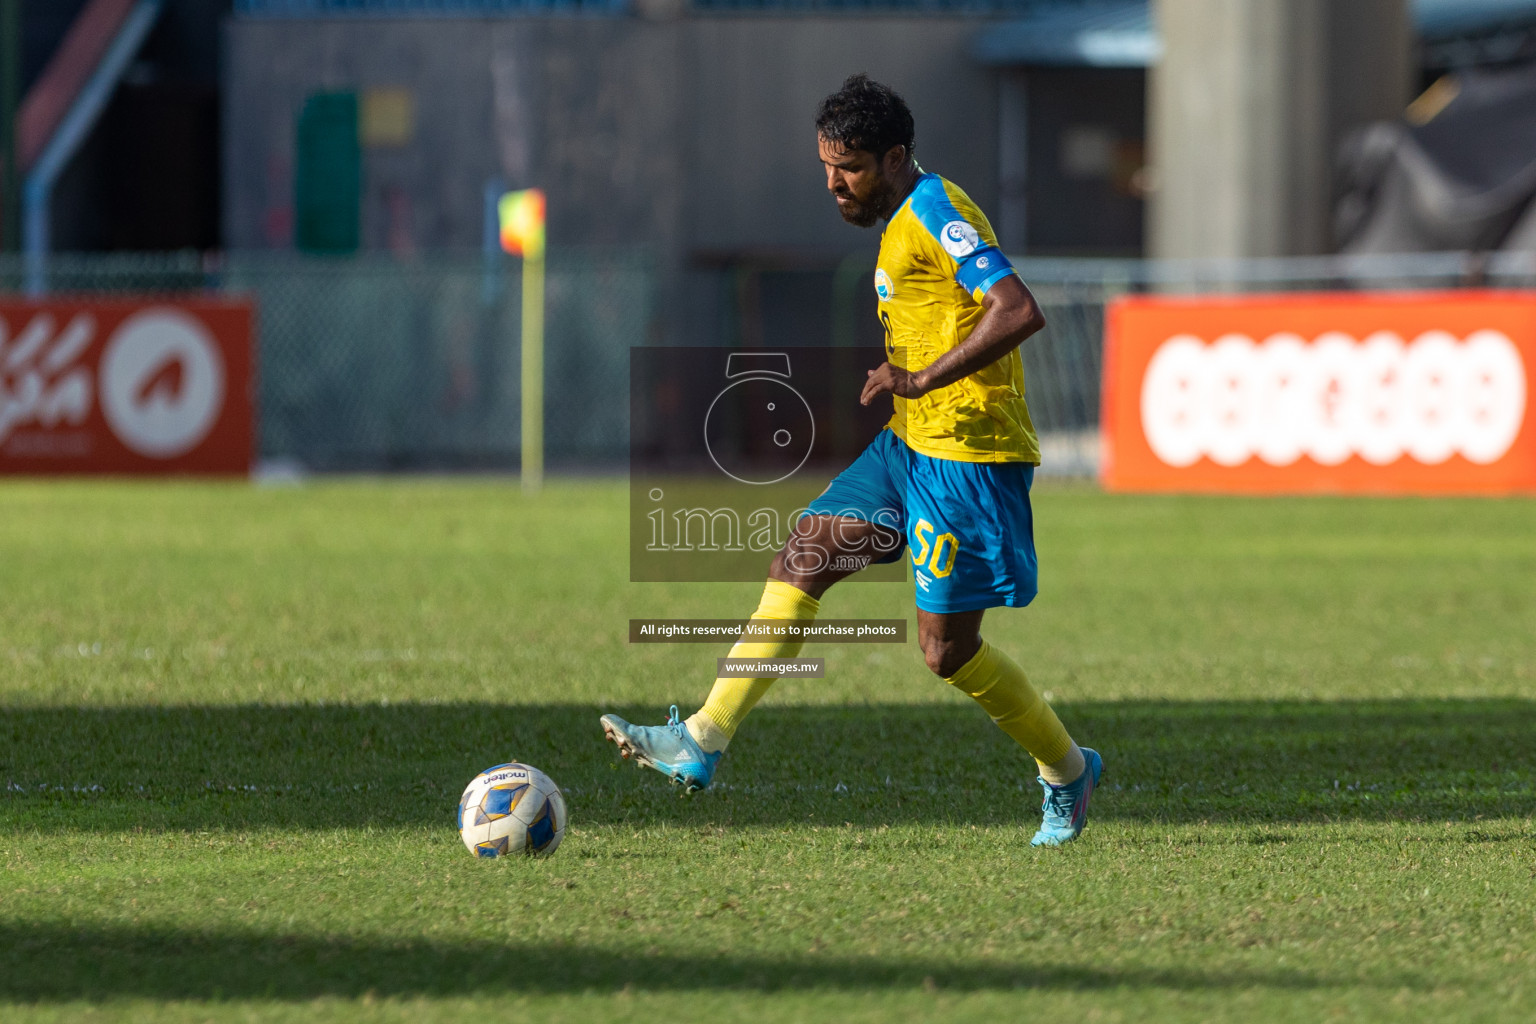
column 844, row 530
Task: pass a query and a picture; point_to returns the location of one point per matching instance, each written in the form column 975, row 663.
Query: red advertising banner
column 125, row 386
column 1334, row 393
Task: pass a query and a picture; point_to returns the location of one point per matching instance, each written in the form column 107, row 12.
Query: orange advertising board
column 1412, row 393
column 125, row 386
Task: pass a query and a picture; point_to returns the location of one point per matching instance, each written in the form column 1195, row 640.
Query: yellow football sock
column 715, row 723
column 999, row 685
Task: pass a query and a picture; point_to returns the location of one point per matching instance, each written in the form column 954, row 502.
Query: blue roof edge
column 1121, row 33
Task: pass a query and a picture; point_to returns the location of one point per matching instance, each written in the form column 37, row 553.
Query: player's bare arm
column 1012, row 315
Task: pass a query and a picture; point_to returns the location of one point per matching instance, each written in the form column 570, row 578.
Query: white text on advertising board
column 1332, row 397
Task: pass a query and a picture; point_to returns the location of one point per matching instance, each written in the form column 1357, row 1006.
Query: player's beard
column 864, row 213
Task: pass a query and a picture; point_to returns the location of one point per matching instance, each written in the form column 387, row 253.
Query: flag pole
column 533, row 371
column 521, row 218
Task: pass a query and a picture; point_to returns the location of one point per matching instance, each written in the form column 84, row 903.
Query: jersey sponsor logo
column 883, row 285
column 982, row 263
column 959, row 239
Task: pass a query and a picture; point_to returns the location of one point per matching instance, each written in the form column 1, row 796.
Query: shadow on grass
column 312, row 766
column 45, row 963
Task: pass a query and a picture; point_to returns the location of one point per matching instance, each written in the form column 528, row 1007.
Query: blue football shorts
column 967, row 527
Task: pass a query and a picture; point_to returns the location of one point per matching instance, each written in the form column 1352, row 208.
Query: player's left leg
column 955, row 651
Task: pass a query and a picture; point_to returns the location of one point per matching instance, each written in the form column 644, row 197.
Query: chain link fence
column 377, row 363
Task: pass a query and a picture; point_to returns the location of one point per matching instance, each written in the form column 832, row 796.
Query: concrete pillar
column 1246, row 108
column 1012, row 160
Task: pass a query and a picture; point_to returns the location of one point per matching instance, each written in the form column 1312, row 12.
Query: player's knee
column 801, row 559
column 946, row 657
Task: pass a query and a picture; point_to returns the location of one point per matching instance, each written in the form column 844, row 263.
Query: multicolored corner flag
column 522, row 222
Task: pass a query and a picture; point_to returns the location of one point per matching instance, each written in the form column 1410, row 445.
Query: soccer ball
column 512, row 808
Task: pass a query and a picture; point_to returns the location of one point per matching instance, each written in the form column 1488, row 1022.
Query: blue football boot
column 1066, row 807
column 670, row 749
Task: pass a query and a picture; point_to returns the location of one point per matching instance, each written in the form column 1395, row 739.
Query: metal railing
column 492, row 8
column 420, row 8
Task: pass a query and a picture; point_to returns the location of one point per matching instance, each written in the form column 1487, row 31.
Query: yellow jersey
column 938, row 257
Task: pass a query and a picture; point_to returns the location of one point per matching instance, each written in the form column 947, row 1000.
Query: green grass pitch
column 234, row 723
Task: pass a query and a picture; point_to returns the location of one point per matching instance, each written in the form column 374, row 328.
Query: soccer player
column 952, row 469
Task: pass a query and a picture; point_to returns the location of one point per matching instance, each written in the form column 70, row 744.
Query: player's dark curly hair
column 866, row 115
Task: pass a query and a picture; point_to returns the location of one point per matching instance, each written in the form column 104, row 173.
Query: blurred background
column 338, row 162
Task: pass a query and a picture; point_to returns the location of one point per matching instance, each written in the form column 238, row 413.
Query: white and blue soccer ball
column 512, row 808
